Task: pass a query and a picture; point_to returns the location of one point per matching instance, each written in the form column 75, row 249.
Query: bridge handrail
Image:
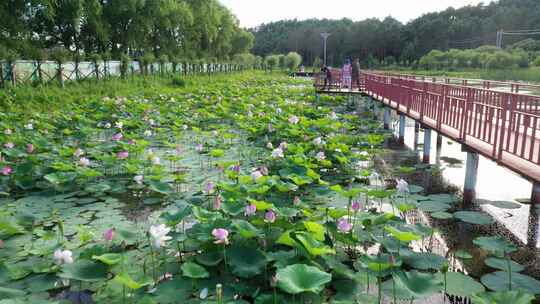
column 514, row 86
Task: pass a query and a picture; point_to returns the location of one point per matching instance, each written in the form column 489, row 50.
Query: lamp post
column 325, row 36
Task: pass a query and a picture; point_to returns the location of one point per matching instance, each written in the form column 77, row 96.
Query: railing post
column 507, row 117
column 465, row 114
column 423, row 100
column 440, row 110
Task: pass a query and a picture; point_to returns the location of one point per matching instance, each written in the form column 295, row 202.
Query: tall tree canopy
column 179, row 28
column 388, row 39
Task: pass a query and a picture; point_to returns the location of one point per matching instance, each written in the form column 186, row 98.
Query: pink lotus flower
column 251, row 209
column 271, row 128
column 320, row 156
column 255, row 175
column 236, row 168
column 30, row 148
column 277, row 153
column 269, row 145
column 217, row 202
column 210, row 187
column 264, row 170
column 117, row 137
column 283, row 145
column 296, row 200
column 7, row 170
column 78, row 152
column 356, row 206
column 270, row 216
column 344, row 225
column 138, row 179
column 122, row 155
column 8, row 132
column 221, row 235
column 293, row 119
column 132, row 142
column 109, row 235
column 199, row 148
column 84, row 162
column 9, row 145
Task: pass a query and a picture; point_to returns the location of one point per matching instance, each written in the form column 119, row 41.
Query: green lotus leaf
column 300, row 278
column 503, row 264
column 194, row 271
column 415, row 189
column 514, row 297
column 210, row 258
column 316, row 229
column 217, row 153
column 499, row 281
column 423, row 260
column 403, row 236
column 311, row 245
column 108, row 258
column 461, row 285
column 84, row 270
column 125, row 279
column 433, row 206
column 418, row 285
column 246, row 229
column 473, row 217
column 246, row 262
column 9, row 293
column 495, row 244
column 160, row 187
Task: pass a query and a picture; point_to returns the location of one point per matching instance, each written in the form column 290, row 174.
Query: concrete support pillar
column 401, row 138
column 471, row 173
column 427, row 145
column 416, row 135
column 438, row 149
column 386, row 118
column 532, row 231
column 439, row 140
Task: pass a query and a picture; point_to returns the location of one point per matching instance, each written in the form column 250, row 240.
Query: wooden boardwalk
column 502, row 126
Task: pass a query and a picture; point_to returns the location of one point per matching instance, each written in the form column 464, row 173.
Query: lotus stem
column 219, row 293
column 509, row 271
column 153, row 260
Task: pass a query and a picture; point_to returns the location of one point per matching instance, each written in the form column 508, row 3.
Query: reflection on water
column 494, row 183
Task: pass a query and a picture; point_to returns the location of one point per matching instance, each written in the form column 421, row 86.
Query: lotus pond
column 234, row 189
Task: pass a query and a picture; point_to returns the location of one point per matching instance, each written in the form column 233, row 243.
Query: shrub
column 271, row 61
column 60, row 55
column 178, row 82
column 293, row 60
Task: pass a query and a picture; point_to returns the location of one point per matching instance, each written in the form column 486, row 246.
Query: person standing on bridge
column 346, row 75
column 327, row 74
column 356, row 74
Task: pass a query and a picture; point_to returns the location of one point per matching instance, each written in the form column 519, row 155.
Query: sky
column 254, row 12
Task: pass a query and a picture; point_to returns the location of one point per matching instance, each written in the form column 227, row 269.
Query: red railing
column 503, row 126
column 511, row 87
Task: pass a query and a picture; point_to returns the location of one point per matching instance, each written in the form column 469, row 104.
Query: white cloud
column 254, row 12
